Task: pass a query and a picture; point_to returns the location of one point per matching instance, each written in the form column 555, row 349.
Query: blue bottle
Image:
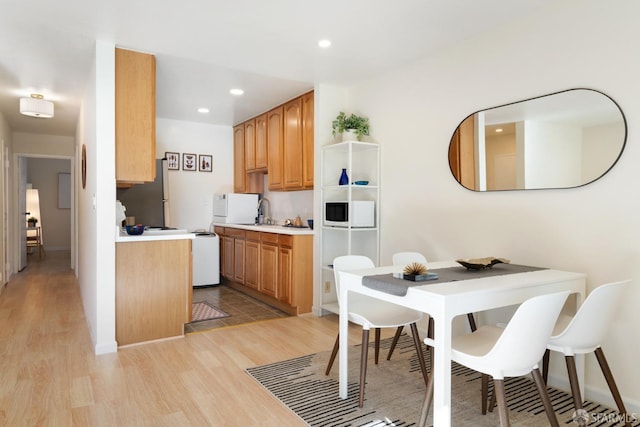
column 344, row 179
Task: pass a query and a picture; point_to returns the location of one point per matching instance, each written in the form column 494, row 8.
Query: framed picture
column 173, row 160
column 205, row 163
column 189, row 162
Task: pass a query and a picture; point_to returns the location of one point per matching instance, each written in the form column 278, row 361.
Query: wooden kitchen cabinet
column 295, row 143
column 135, row 116
column 239, row 165
column 295, row 271
column 238, row 260
column 250, row 145
column 269, row 264
column 153, row 290
column 252, row 260
column 227, row 253
column 255, row 137
column 307, row 140
column 243, row 181
column 284, row 267
column 275, row 147
column 280, row 142
column 292, row 145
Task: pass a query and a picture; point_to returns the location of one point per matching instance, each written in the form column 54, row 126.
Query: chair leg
column 573, row 381
column 612, row 383
column 472, row 322
column 498, row 389
column 395, row 341
column 428, row 398
column 420, row 353
column 485, row 392
column 363, row 364
column 334, row 352
column 377, row 347
column 544, row 395
column 545, row 366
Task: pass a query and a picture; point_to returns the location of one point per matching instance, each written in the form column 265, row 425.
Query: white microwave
column 360, row 213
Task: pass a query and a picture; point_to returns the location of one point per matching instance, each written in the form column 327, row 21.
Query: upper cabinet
column 307, row 140
column 260, row 144
column 274, row 148
column 280, row 143
column 239, row 166
column 292, row 147
column 243, row 181
column 135, row 99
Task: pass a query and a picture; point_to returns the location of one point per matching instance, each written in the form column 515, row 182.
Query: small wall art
column 189, row 162
column 205, row 163
column 173, row 160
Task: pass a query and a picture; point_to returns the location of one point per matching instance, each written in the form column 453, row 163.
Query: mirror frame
column 624, row 142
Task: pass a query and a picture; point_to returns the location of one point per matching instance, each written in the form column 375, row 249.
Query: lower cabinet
column 275, row 268
column 153, row 290
column 269, row 264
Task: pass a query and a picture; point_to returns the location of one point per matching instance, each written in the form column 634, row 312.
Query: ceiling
column 205, row 47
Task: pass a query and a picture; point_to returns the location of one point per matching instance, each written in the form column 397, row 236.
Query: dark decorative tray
column 482, row 263
column 294, row 226
column 420, row 277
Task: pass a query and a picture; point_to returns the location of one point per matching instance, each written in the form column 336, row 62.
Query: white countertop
column 152, row 235
column 278, row 229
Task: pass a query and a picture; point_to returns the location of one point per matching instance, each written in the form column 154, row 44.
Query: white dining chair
column 509, row 352
column 373, row 313
column 406, row 258
column 584, row 333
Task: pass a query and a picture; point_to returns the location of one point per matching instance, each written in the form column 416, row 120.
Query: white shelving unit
column 362, row 161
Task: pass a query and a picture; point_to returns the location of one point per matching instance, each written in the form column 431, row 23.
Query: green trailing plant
column 360, row 125
column 32, row 220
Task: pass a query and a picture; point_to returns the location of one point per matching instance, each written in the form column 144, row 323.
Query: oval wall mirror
column 562, row 140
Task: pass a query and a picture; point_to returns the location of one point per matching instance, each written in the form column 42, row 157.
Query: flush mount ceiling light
column 236, row 92
column 36, row 106
column 203, row 110
column 324, row 43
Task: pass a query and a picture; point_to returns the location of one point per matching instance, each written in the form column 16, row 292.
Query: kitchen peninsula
column 153, row 285
column 271, row 263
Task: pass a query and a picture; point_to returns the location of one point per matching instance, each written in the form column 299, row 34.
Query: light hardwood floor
column 51, row 377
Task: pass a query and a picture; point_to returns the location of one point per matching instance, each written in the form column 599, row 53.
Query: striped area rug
column 395, row 391
column 201, row 311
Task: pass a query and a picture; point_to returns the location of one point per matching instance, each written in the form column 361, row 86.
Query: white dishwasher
column 206, row 259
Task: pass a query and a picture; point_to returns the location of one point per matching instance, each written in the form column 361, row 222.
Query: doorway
column 54, row 177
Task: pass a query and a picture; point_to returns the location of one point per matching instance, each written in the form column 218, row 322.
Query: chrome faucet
column 267, row 218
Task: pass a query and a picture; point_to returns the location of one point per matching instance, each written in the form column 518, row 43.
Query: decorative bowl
column 482, row 263
column 135, row 230
column 361, row 183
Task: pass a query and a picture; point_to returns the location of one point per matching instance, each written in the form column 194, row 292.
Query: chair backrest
column 349, row 262
column 590, row 324
column 404, row 258
column 524, row 340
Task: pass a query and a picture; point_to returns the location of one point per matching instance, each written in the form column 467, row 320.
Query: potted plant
column 357, row 124
column 32, row 221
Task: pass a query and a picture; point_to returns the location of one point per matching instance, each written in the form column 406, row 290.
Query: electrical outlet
column 327, row 287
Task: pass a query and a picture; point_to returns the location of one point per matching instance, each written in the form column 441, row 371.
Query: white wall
column 5, row 234
column 592, row 229
column 191, row 192
column 95, row 203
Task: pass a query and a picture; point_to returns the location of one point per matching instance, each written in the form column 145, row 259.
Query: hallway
column 51, row 377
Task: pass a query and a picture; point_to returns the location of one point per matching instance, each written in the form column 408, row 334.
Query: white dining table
column 444, row 301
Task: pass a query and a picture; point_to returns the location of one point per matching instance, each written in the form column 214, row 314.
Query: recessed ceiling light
column 499, row 130
column 237, row 92
column 203, row 110
column 324, row 43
